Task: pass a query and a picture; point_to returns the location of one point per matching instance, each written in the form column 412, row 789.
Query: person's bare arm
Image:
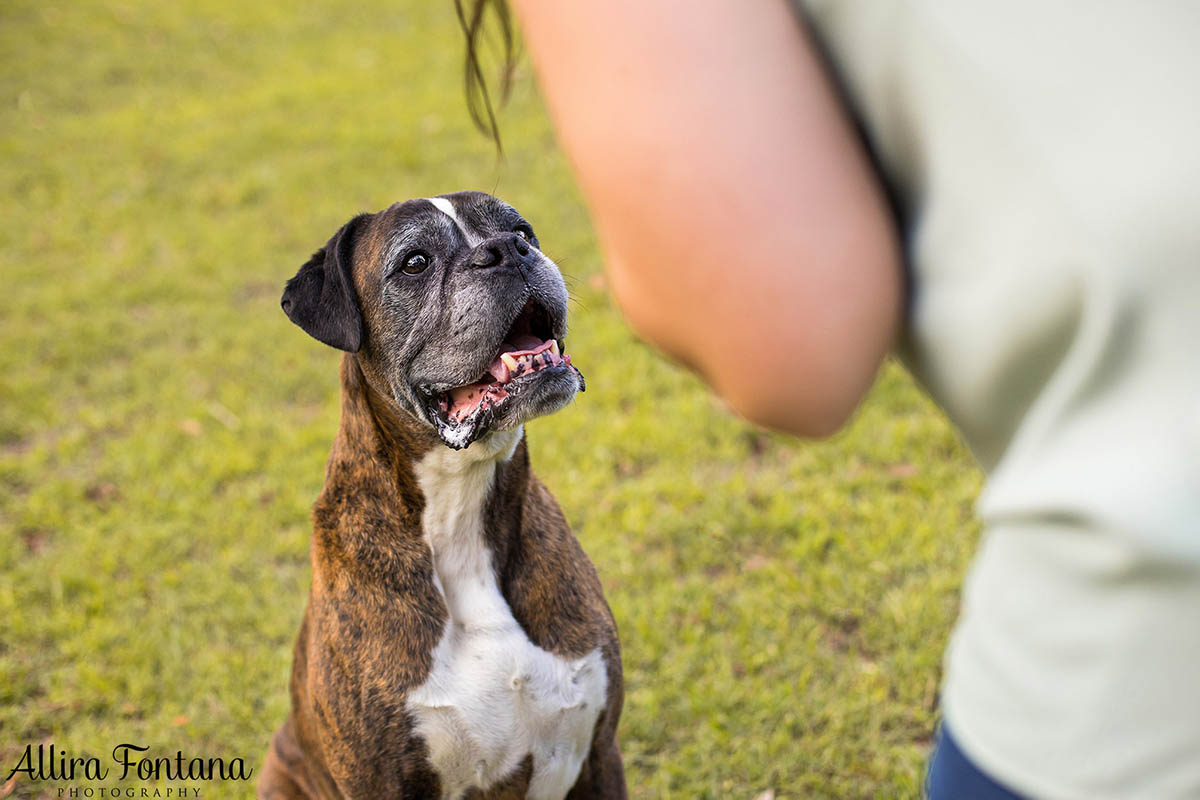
column 744, row 230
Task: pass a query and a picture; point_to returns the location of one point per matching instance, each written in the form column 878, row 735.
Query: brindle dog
column 457, row 642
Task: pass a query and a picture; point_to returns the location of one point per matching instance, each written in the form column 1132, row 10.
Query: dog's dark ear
column 321, row 297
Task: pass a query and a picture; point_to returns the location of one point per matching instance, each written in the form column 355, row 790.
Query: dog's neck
column 460, row 523
column 390, row 479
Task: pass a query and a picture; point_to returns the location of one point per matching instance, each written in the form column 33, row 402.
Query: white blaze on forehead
column 447, row 208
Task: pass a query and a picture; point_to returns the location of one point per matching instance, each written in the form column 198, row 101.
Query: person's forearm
column 744, row 231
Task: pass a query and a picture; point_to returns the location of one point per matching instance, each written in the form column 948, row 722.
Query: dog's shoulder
column 551, row 584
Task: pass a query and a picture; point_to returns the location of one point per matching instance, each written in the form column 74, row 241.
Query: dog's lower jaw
column 537, row 395
column 495, row 445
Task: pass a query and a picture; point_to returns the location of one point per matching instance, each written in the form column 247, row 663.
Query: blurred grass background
column 783, row 605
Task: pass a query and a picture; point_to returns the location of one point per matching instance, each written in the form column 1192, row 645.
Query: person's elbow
column 815, row 413
column 804, row 376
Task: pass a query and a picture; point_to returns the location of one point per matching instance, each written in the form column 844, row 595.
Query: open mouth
column 462, row 413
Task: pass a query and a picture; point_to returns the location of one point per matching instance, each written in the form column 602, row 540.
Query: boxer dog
column 456, row 642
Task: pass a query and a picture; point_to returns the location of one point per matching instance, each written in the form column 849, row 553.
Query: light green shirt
column 1047, row 160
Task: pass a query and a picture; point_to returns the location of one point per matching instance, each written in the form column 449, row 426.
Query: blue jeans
column 952, row 776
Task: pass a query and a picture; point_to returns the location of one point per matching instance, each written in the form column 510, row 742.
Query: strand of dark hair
column 479, row 99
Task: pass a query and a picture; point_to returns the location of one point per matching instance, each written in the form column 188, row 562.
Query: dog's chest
column 493, row 697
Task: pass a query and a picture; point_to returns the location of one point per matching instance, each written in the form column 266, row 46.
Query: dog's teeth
column 509, row 361
column 554, row 346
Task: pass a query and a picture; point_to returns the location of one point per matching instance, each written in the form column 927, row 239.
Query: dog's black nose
column 495, row 252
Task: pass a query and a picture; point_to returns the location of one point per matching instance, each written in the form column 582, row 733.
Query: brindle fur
column 374, row 614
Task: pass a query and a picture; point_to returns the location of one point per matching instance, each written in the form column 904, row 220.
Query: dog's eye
column 415, row 262
column 524, row 231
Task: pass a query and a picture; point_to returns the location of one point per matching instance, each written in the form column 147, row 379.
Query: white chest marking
column 493, row 696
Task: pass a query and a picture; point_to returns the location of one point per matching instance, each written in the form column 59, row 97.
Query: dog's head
column 452, row 308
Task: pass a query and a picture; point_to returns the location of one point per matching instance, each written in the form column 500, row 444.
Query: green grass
column 783, row 605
